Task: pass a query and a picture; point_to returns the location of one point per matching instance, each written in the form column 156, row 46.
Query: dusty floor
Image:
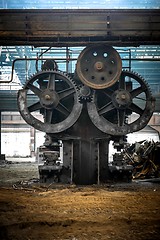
column 31, row 211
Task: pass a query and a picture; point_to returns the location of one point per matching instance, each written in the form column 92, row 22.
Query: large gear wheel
column 99, row 66
column 55, row 95
column 111, row 108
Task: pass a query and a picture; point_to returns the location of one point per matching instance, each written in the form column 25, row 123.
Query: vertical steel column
column 72, row 162
column 98, row 164
column 85, row 161
column 2, row 156
column 0, row 133
column 32, row 142
column 103, row 161
column 67, row 56
column 67, row 172
column 130, row 60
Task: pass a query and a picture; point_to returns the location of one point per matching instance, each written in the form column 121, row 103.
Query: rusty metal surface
column 99, row 66
column 49, row 99
column 109, row 108
column 144, row 157
column 88, row 117
column 79, row 27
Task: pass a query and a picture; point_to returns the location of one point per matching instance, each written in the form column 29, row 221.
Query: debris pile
column 144, row 156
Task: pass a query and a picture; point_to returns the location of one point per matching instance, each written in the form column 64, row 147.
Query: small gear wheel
column 49, row 65
column 85, row 94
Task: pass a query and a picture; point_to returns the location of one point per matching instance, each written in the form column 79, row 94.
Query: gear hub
column 99, row 66
column 60, row 107
column 110, row 108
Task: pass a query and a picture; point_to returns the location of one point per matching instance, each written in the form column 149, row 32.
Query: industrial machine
column 83, row 112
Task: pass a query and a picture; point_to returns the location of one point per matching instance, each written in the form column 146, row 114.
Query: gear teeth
column 69, row 78
column 108, row 119
column 41, row 77
column 41, row 72
column 71, row 83
column 29, row 79
column 139, row 76
column 82, row 97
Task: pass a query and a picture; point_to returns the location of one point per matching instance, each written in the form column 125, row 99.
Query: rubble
column 144, row 157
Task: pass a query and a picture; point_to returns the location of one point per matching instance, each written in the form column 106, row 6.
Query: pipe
column 33, row 59
column 69, row 59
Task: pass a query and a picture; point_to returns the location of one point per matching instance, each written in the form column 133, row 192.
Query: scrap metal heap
column 83, row 112
column 144, row 157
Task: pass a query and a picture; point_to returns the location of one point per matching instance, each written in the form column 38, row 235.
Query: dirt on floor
column 32, row 211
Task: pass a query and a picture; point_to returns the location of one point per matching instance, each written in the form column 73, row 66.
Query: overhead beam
column 70, row 27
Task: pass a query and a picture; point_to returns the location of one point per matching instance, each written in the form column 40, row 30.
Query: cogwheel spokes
column 111, row 108
column 55, row 96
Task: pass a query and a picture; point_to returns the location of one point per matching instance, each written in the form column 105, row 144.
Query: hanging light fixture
column 7, row 57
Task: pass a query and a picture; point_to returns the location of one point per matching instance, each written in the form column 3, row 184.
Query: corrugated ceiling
column 81, row 4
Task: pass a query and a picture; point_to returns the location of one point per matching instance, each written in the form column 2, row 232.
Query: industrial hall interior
column 79, row 119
